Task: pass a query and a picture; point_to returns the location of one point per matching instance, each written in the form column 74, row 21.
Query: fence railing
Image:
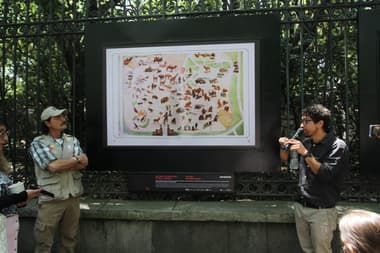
column 42, row 60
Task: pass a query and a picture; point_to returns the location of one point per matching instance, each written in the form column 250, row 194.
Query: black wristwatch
column 308, row 154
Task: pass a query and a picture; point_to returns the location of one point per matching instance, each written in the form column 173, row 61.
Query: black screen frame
column 264, row 31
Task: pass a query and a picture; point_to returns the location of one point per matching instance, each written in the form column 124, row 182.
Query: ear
column 47, row 123
column 320, row 123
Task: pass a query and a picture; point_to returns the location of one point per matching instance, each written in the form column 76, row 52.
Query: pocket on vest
column 51, row 184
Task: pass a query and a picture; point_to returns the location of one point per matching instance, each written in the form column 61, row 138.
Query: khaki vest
column 63, row 184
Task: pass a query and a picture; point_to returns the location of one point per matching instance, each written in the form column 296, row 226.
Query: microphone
column 296, row 135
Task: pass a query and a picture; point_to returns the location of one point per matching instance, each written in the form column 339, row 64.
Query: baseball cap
column 51, row 111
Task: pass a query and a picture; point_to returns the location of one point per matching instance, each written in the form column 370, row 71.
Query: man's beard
column 306, row 134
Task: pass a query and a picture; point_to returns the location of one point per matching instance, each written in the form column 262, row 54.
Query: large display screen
column 199, row 95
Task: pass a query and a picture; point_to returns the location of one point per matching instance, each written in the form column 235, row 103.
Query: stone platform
column 184, row 226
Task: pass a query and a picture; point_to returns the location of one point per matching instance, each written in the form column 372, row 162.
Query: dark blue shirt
column 323, row 188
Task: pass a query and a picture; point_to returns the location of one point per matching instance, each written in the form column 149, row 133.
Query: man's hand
column 283, row 141
column 297, row 146
column 82, row 162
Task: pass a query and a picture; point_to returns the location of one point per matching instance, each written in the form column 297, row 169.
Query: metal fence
column 42, row 63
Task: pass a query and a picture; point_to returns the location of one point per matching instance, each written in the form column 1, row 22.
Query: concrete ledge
column 225, row 211
column 191, row 211
column 183, row 226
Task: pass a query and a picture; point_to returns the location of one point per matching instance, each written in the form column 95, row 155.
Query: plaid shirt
column 42, row 154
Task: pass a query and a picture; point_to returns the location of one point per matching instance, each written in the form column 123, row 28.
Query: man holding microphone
column 323, row 165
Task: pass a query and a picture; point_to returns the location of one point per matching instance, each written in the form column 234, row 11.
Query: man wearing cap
column 58, row 159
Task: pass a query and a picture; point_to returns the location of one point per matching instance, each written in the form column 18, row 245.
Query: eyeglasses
column 305, row 121
column 4, row 132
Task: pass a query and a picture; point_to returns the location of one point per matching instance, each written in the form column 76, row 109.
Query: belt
column 306, row 203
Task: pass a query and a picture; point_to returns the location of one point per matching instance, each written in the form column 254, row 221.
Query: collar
column 63, row 135
column 328, row 137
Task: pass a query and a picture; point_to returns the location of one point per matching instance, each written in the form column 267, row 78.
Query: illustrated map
column 188, row 93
